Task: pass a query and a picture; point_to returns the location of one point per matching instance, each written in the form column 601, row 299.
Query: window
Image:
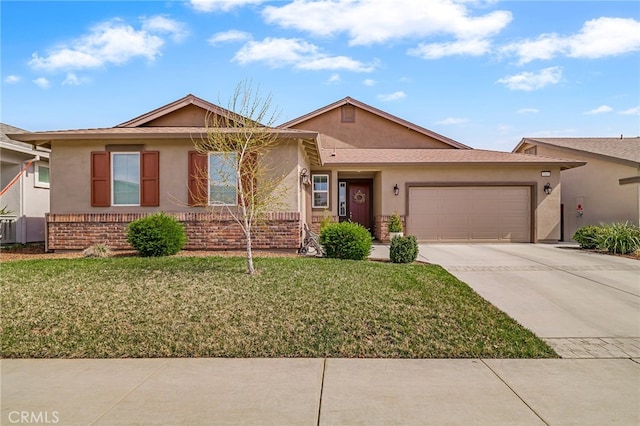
column 223, row 181
column 125, row 178
column 320, row 191
column 532, row 151
column 42, row 175
column 125, row 175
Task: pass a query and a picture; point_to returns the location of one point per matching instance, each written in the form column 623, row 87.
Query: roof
column 620, row 149
column 8, row 141
column 176, row 105
column 350, row 101
column 360, row 157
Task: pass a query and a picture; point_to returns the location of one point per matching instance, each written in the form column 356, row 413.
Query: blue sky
column 485, row 73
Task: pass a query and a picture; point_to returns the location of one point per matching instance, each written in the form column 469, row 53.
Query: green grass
column 209, row 307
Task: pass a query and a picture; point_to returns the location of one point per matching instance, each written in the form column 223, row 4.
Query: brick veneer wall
column 382, row 225
column 205, row 231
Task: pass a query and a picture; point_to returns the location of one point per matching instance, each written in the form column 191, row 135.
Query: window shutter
column 198, row 179
column 100, row 179
column 150, row 178
column 249, row 176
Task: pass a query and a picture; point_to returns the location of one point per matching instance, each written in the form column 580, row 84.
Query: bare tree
column 242, row 176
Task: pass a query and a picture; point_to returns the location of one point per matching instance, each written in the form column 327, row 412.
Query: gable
column 349, row 123
column 187, row 116
column 366, row 130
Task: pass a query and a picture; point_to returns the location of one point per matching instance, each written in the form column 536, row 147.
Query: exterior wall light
column 396, row 190
column 547, row 188
column 304, row 177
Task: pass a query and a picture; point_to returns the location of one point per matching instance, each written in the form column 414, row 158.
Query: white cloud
column 453, row 120
column 278, row 52
column 529, row 81
column 221, row 5
column 229, row 36
column 379, row 21
column 395, row 96
column 161, row 24
column 600, row 110
column 369, row 82
column 528, row 111
column 597, row 38
column 631, row 111
column 111, row 42
column 334, row 79
column 73, row 80
column 12, row 79
column 42, row 82
column 473, row 47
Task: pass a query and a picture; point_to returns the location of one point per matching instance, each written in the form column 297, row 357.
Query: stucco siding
column 545, row 208
column 71, row 192
column 596, row 187
column 368, row 131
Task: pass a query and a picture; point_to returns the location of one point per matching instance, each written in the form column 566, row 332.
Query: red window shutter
column 150, row 178
column 249, row 176
column 100, row 179
column 198, row 179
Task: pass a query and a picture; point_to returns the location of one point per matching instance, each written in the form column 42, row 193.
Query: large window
column 223, row 181
column 320, row 191
column 125, row 175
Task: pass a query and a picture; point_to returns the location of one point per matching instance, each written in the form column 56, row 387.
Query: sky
column 483, row 72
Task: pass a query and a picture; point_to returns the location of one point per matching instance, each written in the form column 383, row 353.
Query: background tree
column 242, row 139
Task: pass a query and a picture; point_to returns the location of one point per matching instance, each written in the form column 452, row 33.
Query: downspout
column 19, row 175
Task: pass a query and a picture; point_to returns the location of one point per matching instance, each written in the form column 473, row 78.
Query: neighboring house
column 24, row 189
column 605, row 190
column 347, row 160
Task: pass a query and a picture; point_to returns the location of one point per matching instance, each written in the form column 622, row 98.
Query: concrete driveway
column 586, row 305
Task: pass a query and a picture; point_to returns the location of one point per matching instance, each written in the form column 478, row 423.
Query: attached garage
column 470, row 213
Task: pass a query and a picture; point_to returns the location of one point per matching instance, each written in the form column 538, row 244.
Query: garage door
column 478, row 213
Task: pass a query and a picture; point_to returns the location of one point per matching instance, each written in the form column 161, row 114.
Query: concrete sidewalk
column 321, row 392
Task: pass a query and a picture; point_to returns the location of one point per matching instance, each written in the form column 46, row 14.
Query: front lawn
column 208, row 307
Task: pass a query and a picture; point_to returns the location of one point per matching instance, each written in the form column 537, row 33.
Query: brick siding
column 382, row 225
column 205, row 231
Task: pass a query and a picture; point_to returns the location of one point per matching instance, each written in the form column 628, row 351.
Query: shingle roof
column 627, row 149
column 343, row 157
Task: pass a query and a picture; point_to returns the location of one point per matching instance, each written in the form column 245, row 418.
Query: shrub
column 619, row 238
column 346, row 240
column 587, row 236
column 395, row 223
column 156, row 235
column 403, row 249
column 327, row 219
column 97, row 250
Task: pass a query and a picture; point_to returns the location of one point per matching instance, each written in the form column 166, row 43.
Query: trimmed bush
column 156, row 235
column 619, row 238
column 587, row 236
column 346, row 240
column 403, row 249
column 395, row 223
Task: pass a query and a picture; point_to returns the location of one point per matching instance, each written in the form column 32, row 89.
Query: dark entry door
column 359, row 203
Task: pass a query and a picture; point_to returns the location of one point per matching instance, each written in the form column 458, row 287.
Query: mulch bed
column 36, row 251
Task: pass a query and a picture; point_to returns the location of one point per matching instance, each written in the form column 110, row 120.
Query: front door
column 359, row 202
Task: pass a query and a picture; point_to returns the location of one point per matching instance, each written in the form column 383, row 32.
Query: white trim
column 113, row 203
column 36, row 174
column 209, row 180
column 313, row 191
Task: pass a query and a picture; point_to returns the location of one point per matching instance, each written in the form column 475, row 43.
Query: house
column 347, row 160
column 24, row 189
column 605, row 190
